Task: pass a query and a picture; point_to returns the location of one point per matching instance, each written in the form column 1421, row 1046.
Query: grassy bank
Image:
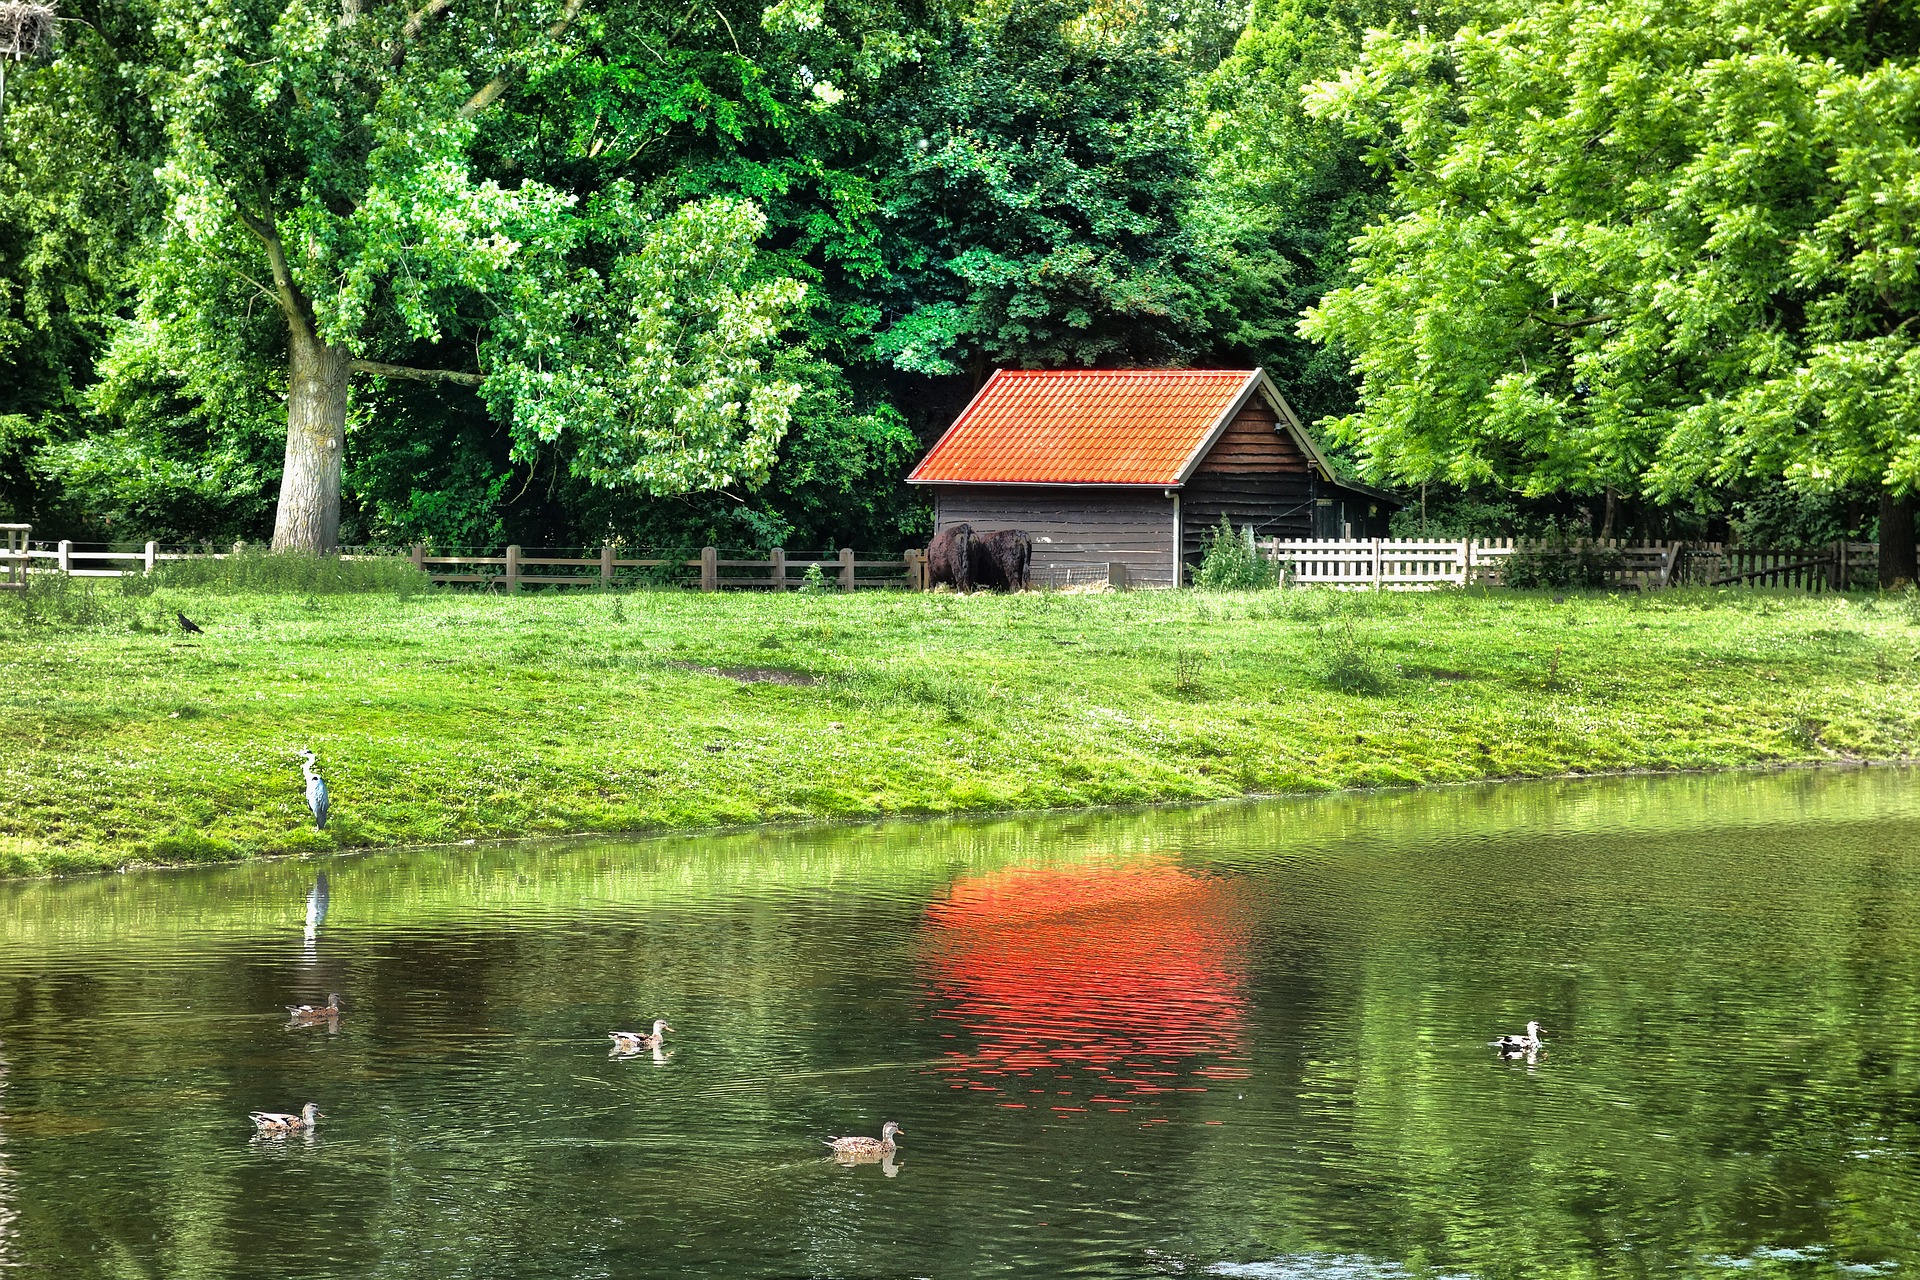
column 440, row 717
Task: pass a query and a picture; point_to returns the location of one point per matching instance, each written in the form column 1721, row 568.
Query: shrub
column 1559, row 565
column 1349, row 663
column 1231, row 563
column 291, row 572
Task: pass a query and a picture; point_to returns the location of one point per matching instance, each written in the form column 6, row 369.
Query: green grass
column 441, row 717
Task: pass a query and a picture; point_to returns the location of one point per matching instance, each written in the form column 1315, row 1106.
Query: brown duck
column 281, row 1122
column 867, row 1148
column 311, row 1013
column 634, row 1042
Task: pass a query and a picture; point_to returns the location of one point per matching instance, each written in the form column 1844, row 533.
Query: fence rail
column 1411, row 563
column 1352, row 563
column 505, row 571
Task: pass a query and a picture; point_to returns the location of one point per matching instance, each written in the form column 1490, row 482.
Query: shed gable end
column 1253, row 443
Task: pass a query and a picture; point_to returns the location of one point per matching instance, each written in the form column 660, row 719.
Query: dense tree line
column 559, row 270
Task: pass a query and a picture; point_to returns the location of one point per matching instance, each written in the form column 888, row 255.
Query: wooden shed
column 1135, row 466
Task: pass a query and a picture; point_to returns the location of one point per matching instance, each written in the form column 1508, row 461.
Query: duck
column 1521, row 1044
column 281, row 1122
column 316, row 1012
column 867, row 1148
column 634, row 1042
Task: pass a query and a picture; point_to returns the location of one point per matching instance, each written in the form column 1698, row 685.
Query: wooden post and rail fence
column 1349, row 563
column 507, row 570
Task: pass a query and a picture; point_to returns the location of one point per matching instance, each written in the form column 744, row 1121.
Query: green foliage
column 1036, row 207
column 1649, row 246
column 1557, row 564
column 1348, row 662
column 1231, row 563
column 256, row 571
column 1283, row 193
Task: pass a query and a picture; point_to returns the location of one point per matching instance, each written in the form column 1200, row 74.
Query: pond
column 1236, row 1040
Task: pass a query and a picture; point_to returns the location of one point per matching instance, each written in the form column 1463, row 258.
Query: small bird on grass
column 867, row 1148
column 316, row 790
column 634, row 1042
column 280, row 1122
column 187, row 624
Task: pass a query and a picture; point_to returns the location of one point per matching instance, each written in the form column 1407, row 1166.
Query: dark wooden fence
column 711, row 571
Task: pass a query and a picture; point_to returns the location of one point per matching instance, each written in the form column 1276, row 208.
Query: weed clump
column 251, row 572
column 56, row 602
column 1560, row 565
column 1231, row 563
column 1349, row 662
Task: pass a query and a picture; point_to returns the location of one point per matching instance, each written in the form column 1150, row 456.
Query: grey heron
column 316, row 790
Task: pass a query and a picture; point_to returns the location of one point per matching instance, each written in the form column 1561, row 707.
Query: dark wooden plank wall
column 1254, row 474
column 1253, row 444
column 1077, row 529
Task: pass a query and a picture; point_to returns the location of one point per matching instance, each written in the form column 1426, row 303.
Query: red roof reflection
column 1125, row 972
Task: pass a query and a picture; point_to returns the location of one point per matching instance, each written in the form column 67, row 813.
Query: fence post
column 513, row 568
column 1840, row 565
column 1117, row 575
column 153, row 554
column 606, row 565
column 418, row 555
column 240, row 548
column 66, row 556
column 709, row 568
column 846, row 570
column 1376, row 564
column 777, row 570
column 916, row 570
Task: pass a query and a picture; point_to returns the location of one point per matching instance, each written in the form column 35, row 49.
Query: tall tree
column 1046, row 154
column 1642, row 247
column 322, row 156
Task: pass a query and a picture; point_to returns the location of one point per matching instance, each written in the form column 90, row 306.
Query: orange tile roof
column 1083, row 426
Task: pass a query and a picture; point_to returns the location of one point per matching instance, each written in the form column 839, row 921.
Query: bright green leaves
column 655, row 375
column 1038, row 198
column 1652, row 246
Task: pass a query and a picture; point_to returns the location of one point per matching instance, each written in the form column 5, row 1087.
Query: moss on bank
column 443, row 717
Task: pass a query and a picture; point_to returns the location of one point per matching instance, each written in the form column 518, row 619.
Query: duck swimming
column 307, row 1013
column 634, row 1042
column 867, row 1148
column 1527, row 1043
column 281, row 1122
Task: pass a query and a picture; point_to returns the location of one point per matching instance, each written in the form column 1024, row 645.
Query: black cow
column 950, row 558
column 1003, row 559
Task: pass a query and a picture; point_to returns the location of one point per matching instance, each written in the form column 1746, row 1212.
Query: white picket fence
column 1387, row 563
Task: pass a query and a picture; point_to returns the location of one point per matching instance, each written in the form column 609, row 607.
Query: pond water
column 1241, row 1040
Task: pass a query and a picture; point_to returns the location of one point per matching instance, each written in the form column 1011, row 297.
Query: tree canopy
column 562, row 270
column 1656, row 247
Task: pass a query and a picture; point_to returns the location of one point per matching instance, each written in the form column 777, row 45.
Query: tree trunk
column 309, row 515
column 1896, row 541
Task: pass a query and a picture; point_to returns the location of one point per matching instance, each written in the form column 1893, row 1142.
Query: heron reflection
column 316, row 910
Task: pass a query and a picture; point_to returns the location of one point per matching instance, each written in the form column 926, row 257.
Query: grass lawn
column 442, row 717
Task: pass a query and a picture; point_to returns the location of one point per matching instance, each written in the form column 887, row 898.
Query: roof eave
column 1258, row 383
column 1055, row 484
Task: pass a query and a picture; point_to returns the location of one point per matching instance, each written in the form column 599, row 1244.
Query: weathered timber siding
column 1254, row 475
column 1276, row 504
column 1077, row 531
column 1253, row 444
